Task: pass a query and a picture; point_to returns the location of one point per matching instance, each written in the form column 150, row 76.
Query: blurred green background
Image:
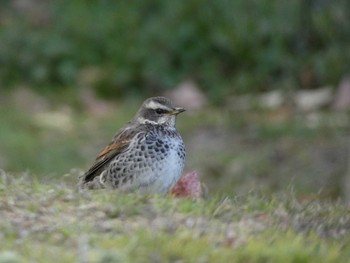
column 263, row 82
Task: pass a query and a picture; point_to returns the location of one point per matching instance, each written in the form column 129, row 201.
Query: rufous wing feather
column 104, row 157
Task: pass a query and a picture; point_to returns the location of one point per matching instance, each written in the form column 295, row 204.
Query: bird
column 146, row 155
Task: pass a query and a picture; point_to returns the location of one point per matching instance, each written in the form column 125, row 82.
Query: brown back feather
column 119, row 144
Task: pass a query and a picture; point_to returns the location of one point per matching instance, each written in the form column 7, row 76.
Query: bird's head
column 158, row 111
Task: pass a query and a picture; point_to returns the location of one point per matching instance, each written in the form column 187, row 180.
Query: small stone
column 188, row 93
column 341, row 100
column 309, row 100
column 271, row 100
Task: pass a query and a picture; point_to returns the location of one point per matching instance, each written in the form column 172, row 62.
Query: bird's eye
column 160, row 111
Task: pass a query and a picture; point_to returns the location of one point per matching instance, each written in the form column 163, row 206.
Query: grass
column 44, row 219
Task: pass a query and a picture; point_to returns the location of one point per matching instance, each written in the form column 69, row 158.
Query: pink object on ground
column 188, row 186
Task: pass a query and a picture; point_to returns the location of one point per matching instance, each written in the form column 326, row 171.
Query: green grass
column 45, row 219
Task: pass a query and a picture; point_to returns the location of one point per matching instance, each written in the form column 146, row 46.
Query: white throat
column 162, row 120
column 146, row 121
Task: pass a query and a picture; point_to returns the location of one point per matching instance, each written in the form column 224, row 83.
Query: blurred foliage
column 148, row 46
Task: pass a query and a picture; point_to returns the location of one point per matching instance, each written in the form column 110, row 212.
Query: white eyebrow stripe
column 156, row 105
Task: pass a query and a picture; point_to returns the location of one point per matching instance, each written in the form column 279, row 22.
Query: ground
column 44, row 219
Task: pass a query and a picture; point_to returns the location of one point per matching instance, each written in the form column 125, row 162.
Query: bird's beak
column 176, row 111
